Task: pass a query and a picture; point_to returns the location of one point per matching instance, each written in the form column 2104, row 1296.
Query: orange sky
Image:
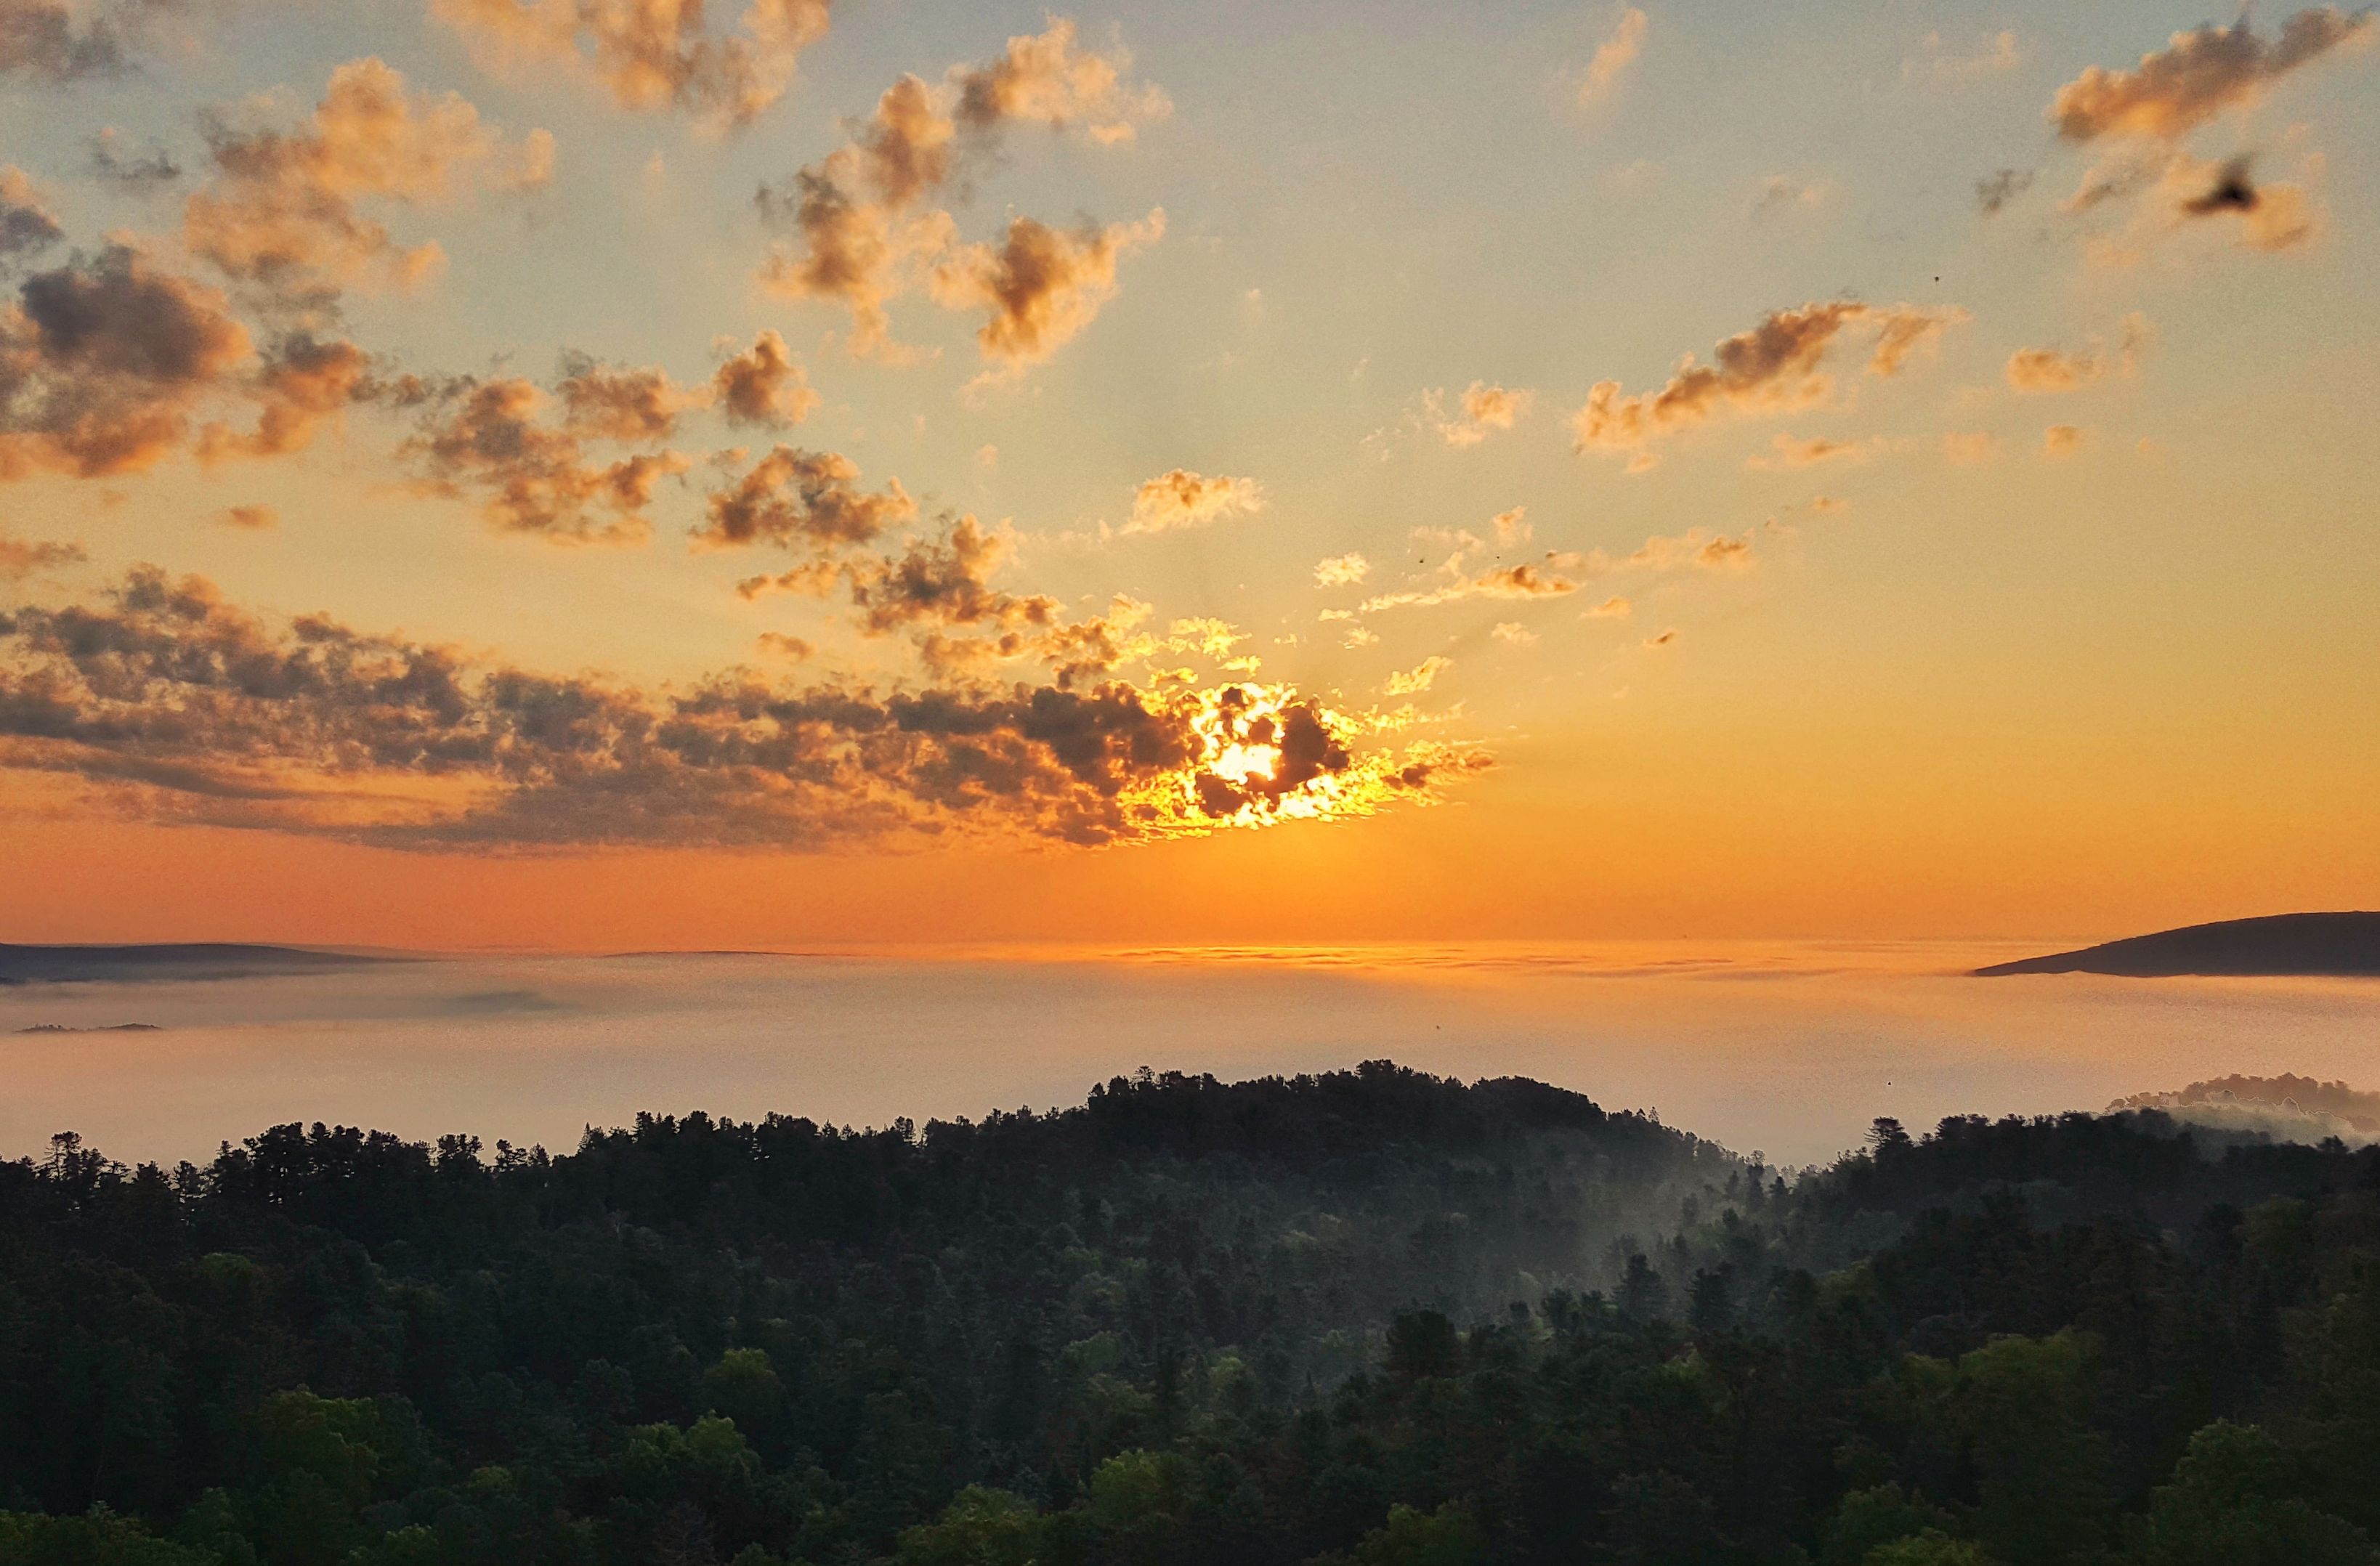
column 1128, row 478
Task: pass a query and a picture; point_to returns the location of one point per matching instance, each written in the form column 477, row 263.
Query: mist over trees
column 1366, row 1318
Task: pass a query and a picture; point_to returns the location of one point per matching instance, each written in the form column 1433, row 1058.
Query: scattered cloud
column 1939, row 62
column 281, row 211
column 1341, row 570
column 138, row 172
column 1483, row 409
column 26, row 227
column 803, row 500
column 1665, row 639
column 652, row 53
column 1419, row 678
column 1996, row 189
column 1970, row 448
column 1613, row 56
column 1792, row 453
column 488, row 436
column 2063, row 440
column 103, row 361
column 1041, row 285
column 764, row 385
column 2036, row 370
column 863, row 232
column 1609, row 608
column 2199, row 74
column 1183, row 498
column 1775, row 368
column 252, row 518
column 1511, row 633
column 777, row 644
column 20, row 558
column 1781, row 193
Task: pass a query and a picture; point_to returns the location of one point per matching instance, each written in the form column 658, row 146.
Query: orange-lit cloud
column 1483, row 410
column 1040, row 284
column 1183, row 498
column 166, row 701
column 651, row 54
column 489, row 436
column 2063, row 440
column 1614, row 56
column 1775, row 368
column 19, row 558
column 764, row 385
column 1341, row 571
column 2197, row 76
column 1790, row 453
column 103, row 361
column 802, row 499
column 281, row 211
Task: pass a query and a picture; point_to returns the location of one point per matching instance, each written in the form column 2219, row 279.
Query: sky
column 579, row 475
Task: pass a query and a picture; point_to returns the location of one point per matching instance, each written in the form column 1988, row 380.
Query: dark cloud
column 303, row 382
column 945, row 581
column 138, row 172
column 1996, row 189
column 638, row 406
column 181, row 707
column 802, row 499
column 26, row 227
column 2197, row 76
column 103, row 361
column 2233, row 190
column 488, row 437
column 40, row 39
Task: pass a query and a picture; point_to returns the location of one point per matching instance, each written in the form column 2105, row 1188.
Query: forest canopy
column 1362, row 1318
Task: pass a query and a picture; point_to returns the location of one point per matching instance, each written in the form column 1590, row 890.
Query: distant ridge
column 119, row 965
column 2306, row 946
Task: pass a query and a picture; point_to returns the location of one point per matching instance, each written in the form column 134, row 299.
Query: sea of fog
column 1791, row 1049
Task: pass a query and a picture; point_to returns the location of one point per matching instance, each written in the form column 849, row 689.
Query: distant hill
column 2303, row 944
column 118, row 965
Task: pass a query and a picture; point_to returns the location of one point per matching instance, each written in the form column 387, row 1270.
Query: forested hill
column 1368, row 1319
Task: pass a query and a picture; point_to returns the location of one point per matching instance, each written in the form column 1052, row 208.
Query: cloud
column 1419, row 678
column 1610, row 609
column 2063, row 440
column 637, row 407
column 1485, row 409
column 26, row 227
column 281, row 211
column 103, row 361
column 2036, row 370
column 137, row 173
column 1613, row 56
column 1774, row 368
column 46, row 41
column 1665, row 639
column 20, row 558
column 1971, row 448
column 863, row 232
column 2274, row 217
column 1996, row 189
column 303, row 382
column 1042, row 286
column 1792, row 453
column 536, row 479
column 1999, row 55
column 1045, row 80
column 764, row 385
column 1513, row 634
column 171, row 704
column 1183, row 498
column 1779, row 191
column 802, row 499
column 2199, row 74
column 1530, row 579
column 651, row 54
column 252, row 518
column 1341, row 570
column 777, row 644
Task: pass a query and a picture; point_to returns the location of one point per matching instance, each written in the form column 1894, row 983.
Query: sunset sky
column 601, row 473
